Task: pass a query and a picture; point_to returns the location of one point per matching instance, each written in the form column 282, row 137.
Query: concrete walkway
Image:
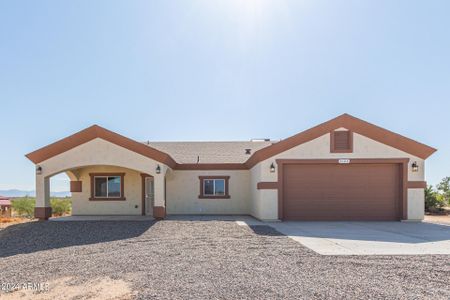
column 369, row 238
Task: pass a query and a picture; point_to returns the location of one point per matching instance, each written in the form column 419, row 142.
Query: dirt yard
column 200, row 260
column 438, row 219
column 5, row 222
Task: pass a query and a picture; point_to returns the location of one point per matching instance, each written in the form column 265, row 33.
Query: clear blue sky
column 219, row 70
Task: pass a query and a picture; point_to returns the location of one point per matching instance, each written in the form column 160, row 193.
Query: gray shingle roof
column 209, row 152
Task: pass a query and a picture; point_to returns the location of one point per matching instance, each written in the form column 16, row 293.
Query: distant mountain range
column 19, row 193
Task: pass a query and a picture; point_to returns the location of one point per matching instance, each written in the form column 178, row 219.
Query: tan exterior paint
column 341, row 122
column 97, row 152
column 81, row 205
column 416, row 204
column 263, row 201
column 183, row 193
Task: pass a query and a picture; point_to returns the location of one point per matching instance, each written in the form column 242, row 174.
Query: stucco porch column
column 42, row 210
column 159, row 208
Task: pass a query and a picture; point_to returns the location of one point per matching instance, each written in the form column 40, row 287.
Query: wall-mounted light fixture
column 158, row 170
column 272, row 168
column 415, row 167
column 38, row 170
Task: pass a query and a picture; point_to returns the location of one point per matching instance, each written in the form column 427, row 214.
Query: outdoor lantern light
column 415, row 167
column 158, row 169
column 38, row 170
column 272, row 168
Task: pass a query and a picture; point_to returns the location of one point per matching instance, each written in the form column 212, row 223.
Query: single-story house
column 5, row 207
column 343, row 169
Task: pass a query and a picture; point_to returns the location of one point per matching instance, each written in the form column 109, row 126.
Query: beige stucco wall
column 264, row 201
column 81, row 205
column 95, row 153
column 416, row 204
column 183, row 188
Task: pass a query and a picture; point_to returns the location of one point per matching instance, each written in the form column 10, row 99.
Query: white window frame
column 107, row 187
column 214, row 187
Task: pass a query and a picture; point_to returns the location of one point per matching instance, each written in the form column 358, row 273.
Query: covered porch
column 109, row 175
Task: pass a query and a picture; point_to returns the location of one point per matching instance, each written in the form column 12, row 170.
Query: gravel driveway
column 202, row 260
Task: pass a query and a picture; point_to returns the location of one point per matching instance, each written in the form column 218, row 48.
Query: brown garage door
column 341, row 192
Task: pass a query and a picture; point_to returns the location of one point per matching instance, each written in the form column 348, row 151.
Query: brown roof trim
column 93, row 132
column 223, row 166
column 351, row 123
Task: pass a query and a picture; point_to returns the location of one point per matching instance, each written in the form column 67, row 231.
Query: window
column 341, row 141
column 107, row 186
column 214, row 187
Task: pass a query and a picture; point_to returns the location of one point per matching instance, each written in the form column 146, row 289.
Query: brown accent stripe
column 417, row 184
column 159, row 212
column 42, row 213
column 267, row 185
column 76, row 186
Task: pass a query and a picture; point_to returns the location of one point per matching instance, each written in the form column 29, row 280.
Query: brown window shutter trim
column 122, row 185
column 203, row 196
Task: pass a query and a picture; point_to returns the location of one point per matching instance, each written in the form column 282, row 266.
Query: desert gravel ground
column 202, row 260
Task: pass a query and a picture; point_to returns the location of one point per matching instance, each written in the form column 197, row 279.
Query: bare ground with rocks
column 201, row 260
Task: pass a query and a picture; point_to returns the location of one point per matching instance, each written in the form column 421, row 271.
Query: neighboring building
column 5, row 207
column 343, row 169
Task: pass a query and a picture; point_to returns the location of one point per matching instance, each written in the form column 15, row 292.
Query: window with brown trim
column 214, row 187
column 341, row 142
column 107, row 186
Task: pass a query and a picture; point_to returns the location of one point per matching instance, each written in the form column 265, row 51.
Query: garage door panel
column 341, row 192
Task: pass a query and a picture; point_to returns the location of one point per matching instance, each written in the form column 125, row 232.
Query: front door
column 149, row 196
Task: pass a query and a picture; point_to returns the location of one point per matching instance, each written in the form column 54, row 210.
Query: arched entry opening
column 106, row 190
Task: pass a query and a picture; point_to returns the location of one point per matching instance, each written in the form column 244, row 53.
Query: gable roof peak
column 91, row 133
column 351, row 123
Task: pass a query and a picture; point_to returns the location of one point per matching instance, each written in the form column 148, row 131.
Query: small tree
column 24, row 207
column 444, row 189
column 60, row 206
column 433, row 200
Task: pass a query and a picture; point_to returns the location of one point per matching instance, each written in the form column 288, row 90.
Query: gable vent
column 341, row 141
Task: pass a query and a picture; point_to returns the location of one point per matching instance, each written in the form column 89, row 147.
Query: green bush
column 433, row 199
column 24, row 207
column 444, row 189
column 61, row 206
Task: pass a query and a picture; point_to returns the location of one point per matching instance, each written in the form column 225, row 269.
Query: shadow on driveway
column 38, row 236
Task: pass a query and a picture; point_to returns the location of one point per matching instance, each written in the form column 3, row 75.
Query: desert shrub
column 433, row 199
column 61, row 206
column 444, row 189
column 24, row 207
